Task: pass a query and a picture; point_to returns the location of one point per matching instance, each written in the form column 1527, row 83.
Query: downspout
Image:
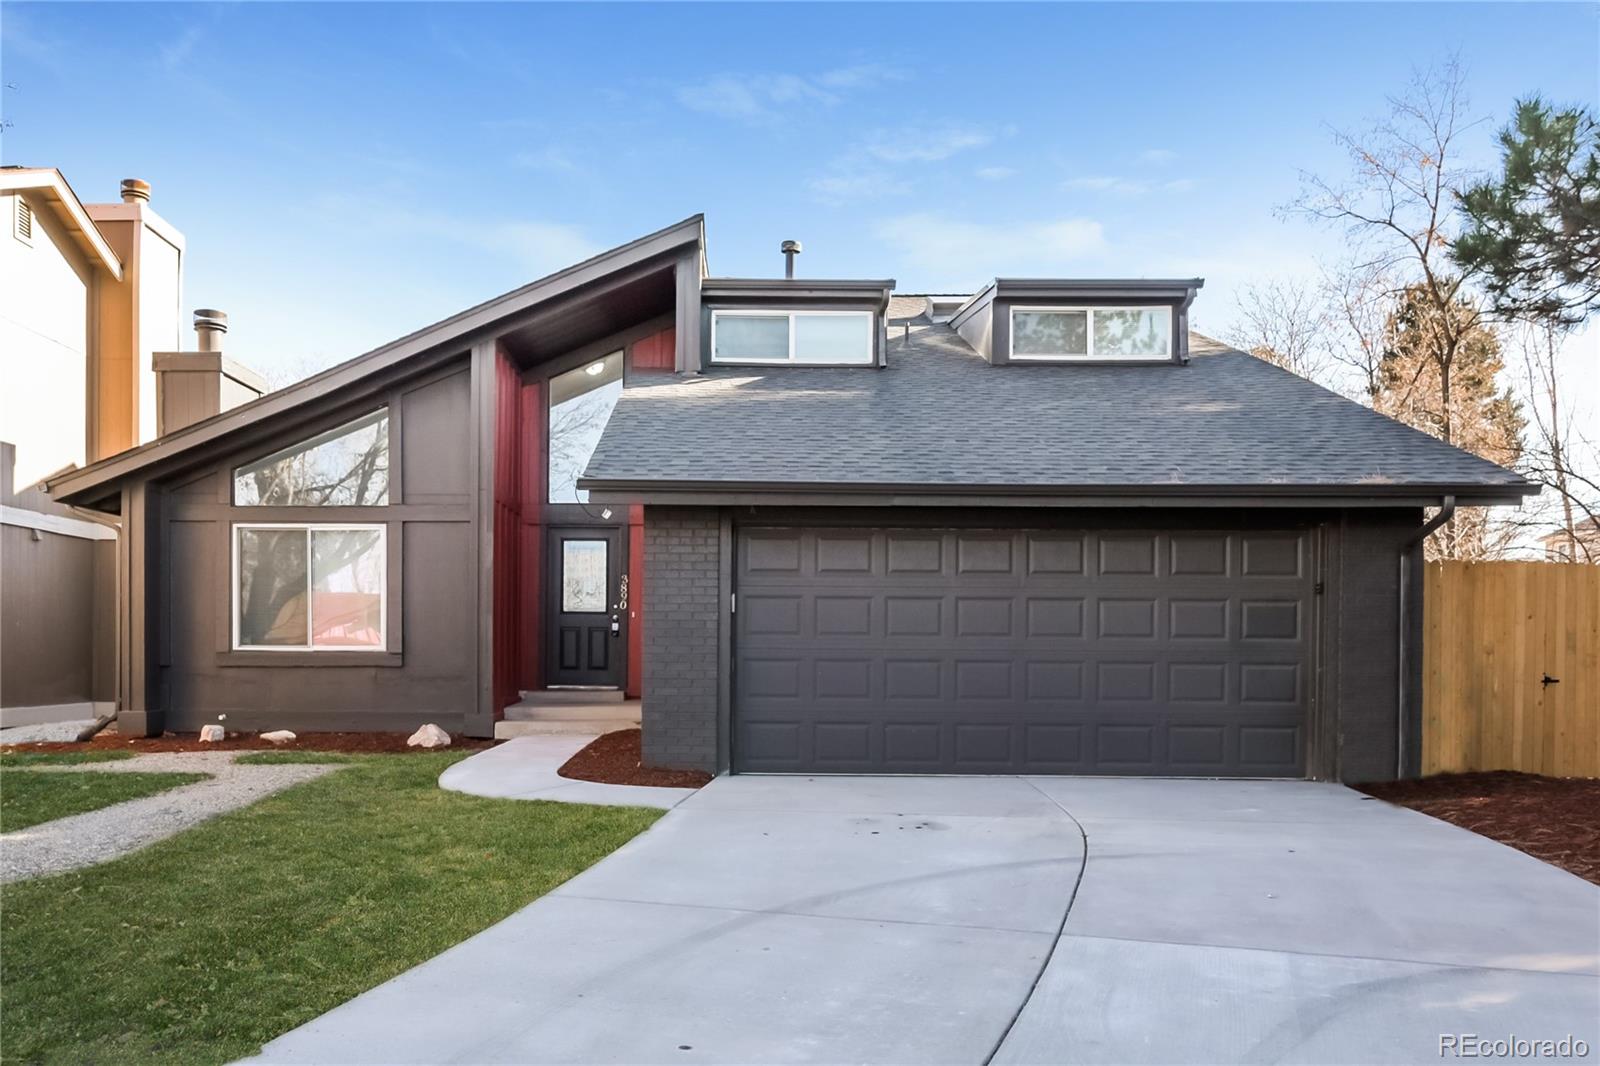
column 1447, row 508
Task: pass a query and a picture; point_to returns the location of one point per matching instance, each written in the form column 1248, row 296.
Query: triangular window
column 344, row 467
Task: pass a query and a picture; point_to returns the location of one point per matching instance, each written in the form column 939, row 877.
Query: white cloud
column 946, row 251
column 925, row 144
column 177, row 53
column 848, row 182
column 540, row 247
column 534, row 247
column 995, row 173
column 1157, row 156
column 551, row 159
column 1123, row 186
column 762, row 96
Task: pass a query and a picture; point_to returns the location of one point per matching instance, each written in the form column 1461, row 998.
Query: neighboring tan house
column 90, row 298
column 1559, row 548
column 818, row 527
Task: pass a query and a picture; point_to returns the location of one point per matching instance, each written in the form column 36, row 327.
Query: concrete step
column 506, row 730
column 594, row 712
column 568, row 697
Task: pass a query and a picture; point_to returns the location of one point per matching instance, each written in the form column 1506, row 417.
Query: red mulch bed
column 358, row 743
column 617, row 759
column 1556, row 819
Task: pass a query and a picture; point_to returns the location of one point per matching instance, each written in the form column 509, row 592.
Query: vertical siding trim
column 479, row 718
column 530, row 535
column 634, row 687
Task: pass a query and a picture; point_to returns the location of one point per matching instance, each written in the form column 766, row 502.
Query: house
column 1583, row 546
column 90, row 298
column 817, row 526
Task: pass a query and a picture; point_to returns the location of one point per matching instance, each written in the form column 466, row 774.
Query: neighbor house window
column 1091, row 332
column 310, row 587
column 581, row 402
column 347, row 466
column 801, row 338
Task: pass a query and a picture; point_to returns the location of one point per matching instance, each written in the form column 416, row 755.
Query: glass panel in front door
column 583, row 576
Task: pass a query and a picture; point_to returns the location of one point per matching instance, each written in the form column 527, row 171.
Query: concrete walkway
column 525, row 768
column 921, row 920
column 110, row 832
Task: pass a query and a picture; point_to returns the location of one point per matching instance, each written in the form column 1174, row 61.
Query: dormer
column 1099, row 322
column 792, row 322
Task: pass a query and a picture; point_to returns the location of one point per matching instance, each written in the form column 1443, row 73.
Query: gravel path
column 108, row 833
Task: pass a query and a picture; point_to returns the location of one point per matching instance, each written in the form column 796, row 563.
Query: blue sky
column 346, row 173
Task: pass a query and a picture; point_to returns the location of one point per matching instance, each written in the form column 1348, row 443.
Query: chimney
column 194, row 386
column 790, row 249
column 135, row 191
column 209, row 327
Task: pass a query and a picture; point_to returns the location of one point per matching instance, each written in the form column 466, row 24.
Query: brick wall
column 681, row 553
column 1368, row 626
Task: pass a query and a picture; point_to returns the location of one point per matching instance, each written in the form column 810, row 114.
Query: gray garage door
column 945, row 651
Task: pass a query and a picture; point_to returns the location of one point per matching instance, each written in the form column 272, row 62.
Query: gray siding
column 1364, row 635
column 683, row 617
column 429, row 672
column 58, row 607
column 57, row 603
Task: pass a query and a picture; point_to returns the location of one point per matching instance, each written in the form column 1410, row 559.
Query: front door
column 584, row 613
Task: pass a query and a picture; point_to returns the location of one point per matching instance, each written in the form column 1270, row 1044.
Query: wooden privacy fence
column 1511, row 668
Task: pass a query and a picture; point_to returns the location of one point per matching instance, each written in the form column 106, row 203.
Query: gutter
column 1447, row 510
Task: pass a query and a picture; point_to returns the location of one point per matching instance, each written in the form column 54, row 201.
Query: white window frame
column 791, row 315
column 1089, row 310
column 234, row 605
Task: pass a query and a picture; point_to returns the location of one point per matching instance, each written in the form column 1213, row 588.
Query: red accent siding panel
column 507, row 518
column 655, row 352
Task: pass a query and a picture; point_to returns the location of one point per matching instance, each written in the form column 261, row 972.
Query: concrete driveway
column 772, row 919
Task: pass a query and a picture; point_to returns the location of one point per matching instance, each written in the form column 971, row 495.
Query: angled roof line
column 50, row 182
column 76, row 482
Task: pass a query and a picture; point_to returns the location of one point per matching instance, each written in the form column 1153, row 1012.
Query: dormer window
column 1112, row 333
column 794, row 338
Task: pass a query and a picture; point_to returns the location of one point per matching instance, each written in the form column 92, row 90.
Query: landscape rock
column 278, row 736
column 429, row 736
column 211, row 733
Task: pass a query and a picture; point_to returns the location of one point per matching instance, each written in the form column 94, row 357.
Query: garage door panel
column 908, row 651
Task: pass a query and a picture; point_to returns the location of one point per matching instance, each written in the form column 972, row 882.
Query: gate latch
column 1547, row 681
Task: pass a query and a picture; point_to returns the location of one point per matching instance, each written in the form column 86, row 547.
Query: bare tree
column 1285, row 323
column 1556, row 448
column 1398, row 208
column 1358, row 300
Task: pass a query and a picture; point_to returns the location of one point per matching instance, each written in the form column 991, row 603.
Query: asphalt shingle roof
column 940, row 416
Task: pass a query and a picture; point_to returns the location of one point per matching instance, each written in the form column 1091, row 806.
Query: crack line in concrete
column 1061, row 929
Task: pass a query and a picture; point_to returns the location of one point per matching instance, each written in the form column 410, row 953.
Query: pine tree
column 1533, row 232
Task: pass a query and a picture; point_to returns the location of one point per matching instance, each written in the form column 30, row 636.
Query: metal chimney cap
column 134, row 189
column 210, row 318
column 790, row 246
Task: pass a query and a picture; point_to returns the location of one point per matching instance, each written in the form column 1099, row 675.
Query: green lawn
column 204, row 946
column 28, row 797
column 61, row 758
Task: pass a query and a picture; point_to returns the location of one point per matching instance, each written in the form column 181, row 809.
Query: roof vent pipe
column 135, row 191
column 790, row 249
column 209, row 326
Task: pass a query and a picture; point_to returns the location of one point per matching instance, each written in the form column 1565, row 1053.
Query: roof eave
column 614, row 491
column 86, row 483
column 49, row 182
